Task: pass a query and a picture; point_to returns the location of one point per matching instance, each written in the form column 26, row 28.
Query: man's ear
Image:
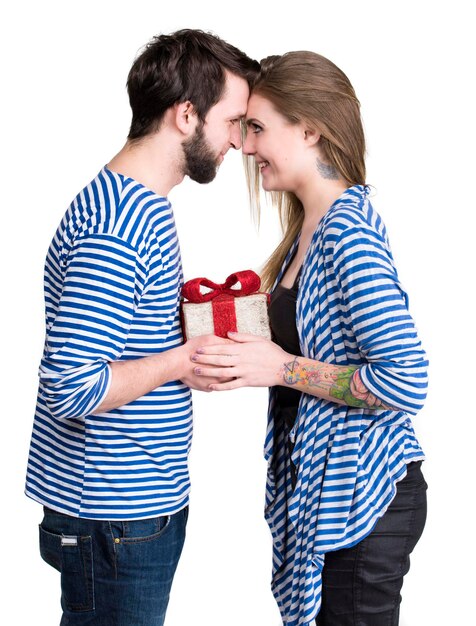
column 185, row 117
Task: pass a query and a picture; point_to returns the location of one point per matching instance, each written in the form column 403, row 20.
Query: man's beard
column 200, row 162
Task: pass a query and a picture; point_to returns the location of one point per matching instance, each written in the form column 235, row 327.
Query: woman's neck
column 317, row 195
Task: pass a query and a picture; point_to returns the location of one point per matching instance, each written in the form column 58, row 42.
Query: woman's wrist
column 289, row 371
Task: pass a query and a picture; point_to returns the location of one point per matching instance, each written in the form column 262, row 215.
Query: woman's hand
column 249, row 360
column 187, row 374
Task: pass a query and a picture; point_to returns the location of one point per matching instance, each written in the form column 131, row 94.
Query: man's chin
column 203, row 178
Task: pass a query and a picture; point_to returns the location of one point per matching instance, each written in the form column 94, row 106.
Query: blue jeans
column 113, row 573
column 361, row 585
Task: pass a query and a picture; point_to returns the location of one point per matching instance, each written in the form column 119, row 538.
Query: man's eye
column 235, row 121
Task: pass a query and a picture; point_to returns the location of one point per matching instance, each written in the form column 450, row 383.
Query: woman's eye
column 255, row 128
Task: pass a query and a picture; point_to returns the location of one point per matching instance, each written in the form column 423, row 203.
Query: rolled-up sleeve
column 376, row 308
column 99, row 292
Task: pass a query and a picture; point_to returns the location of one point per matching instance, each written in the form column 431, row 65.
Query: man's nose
column 235, row 137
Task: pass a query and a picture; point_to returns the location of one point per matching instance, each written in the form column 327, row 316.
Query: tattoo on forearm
column 343, row 384
column 360, row 392
column 293, row 373
column 296, row 373
column 328, row 172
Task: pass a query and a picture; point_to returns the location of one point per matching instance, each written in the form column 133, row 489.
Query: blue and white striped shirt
column 113, row 278
column 351, row 310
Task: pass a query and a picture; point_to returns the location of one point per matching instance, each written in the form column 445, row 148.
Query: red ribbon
column 250, row 283
column 222, row 297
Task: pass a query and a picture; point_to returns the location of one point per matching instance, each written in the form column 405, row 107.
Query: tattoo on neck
column 328, row 172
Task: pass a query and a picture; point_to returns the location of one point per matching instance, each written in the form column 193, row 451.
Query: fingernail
column 199, row 350
column 197, row 370
column 232, row 332
column 194, row 357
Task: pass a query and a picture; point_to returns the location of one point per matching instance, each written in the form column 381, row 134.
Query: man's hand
column 134, row 378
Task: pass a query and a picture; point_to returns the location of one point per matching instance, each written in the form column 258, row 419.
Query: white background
column 65, row 114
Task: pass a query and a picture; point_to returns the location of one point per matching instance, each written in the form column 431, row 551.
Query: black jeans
column 361, row 585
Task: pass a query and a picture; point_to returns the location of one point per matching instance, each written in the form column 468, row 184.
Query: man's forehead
column 234, row 99
column 233, row 105
column 235, row 86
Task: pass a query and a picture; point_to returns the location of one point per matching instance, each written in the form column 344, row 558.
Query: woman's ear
column 311, row 136
column 185, row 117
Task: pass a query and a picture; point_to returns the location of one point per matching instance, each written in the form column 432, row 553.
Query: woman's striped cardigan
column 351, row 310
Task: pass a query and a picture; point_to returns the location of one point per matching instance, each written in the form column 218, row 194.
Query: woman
column 346, row 500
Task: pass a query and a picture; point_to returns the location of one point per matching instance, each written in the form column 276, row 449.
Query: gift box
column 225, row 307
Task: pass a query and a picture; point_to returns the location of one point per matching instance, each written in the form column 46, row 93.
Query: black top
column 282, row 317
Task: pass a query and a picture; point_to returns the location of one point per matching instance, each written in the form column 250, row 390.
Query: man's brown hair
column 185, row 65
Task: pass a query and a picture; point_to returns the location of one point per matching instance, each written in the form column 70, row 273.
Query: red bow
column 250, row 283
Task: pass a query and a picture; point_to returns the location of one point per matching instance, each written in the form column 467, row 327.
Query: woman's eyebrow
column 253, row 120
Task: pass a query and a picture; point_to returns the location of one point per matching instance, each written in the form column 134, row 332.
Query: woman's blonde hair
column 306, row 87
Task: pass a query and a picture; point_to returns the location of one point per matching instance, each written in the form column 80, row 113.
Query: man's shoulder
column 118, row 206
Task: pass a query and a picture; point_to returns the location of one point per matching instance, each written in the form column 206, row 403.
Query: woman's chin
column 267, row 186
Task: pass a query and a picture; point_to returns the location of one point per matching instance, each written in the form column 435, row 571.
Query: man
column 112, row 430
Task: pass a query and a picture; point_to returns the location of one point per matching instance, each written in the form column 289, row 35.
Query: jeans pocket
column 73, row 557
column 414, row 479
column 137, row 531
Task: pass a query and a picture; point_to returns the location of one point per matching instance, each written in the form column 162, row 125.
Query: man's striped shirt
column 113, row 278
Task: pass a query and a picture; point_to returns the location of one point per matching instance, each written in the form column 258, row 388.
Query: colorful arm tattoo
column 340, row 382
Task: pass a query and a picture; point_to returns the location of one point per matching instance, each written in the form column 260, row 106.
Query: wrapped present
column 225, row 307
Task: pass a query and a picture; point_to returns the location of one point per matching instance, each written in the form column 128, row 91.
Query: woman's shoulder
column 353, row 213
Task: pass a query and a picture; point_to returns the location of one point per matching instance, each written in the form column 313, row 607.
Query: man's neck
column 150, row 161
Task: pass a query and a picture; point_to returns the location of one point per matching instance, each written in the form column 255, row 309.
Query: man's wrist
column 176, row 362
